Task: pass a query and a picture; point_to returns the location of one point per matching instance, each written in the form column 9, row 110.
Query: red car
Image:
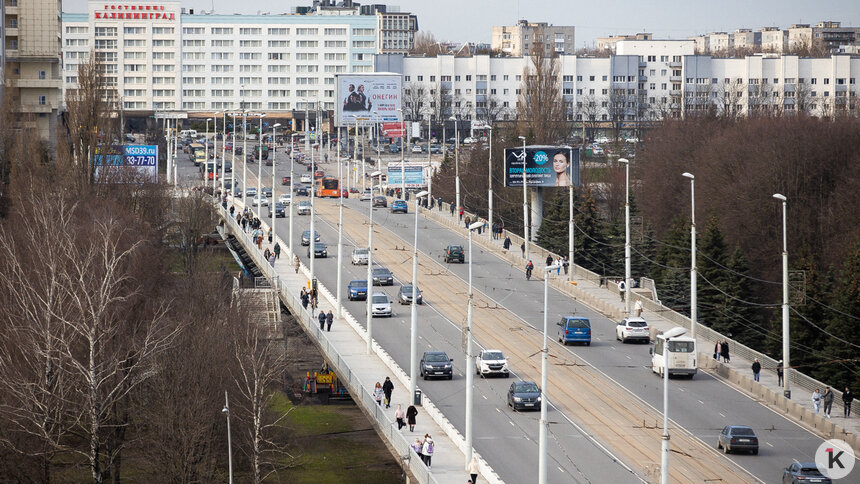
column 344, row 193
column 228, row 146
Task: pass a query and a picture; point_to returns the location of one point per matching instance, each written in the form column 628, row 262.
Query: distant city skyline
column 472, row 20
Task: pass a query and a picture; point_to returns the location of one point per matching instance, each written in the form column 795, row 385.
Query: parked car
column 803, row 473
column 380, row 305
column 279, row 210
column 406, row 295
column 416, row 149
column 320, row 250
column 285, row 198
column 524, row 395
column 491, row 362
column 304, row 208
column 435, row 148
column 357, row 290
column 399, row 206
column 382, row 277
column 737, row 437
column 261, row 201
column 633, row 328
column 380, row 201
column 574, row 329
column 365, row 195
column 359, row 256
column 306, row 237
column 436, row 364
column 455, row 253
column 394, row 148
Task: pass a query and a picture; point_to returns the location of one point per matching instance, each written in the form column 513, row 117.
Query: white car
column 633, row 328
column 380, row 304
column 260, row 201
column 359, row 256
column 304, row 208
column 469, row 140
column 366, row 195
column 416, row 149
column 285, row 198
column 602, row 140
column 306, row 179
column 491, row 362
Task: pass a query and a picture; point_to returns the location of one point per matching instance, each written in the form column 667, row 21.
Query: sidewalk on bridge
column 738, row 372
column 349, row 339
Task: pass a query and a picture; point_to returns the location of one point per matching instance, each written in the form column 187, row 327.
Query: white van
column 682, row 356
column 188, row 133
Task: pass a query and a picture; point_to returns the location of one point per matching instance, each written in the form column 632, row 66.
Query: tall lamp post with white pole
column 664, row 443
column 274, row 169
column 413, row 340
column 626, row 235
column 292, row 184
column 490, row 182
column 694, row 309
column 403, row 154
column 206, row 155
column 786, row 364
column 370, row 269
column 544, row 423
column 226, row 411
column 456, row 160
column 260, row 172
column 525, row 200
column 224, row 151
column 215, row 150
column 469, row 374
column 244, row 154
column 339, row 229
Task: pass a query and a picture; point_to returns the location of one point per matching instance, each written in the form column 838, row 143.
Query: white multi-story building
column 160, row 58
column 517, row 40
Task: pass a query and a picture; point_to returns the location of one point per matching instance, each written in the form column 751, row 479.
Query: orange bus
column 327, row 187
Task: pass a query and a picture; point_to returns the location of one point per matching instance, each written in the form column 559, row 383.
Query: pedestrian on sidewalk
column 816, row 400
column 558, row 269
column 566, row 264
column 266, row 253
column 779, row 372
column 724, row 350
column 260, row 241
column 305, row 298
column 411, row 413
column 828, row 401
column 387, row 388
column 270, row 235
column 637, row 308
column 717, row 346
column 462, row 211
column 847, row 398
column 507, row 245
column 548, row 260
column 314, row 298
column 272, row 259
column 523, row 249
column 232, row 210
column 428, row 449
column 473, row 470
column 416, row 446
column 622, row 289
column 439, row 203
column 329, row 318
column 322, row 320
column 756, row 368
column 451, row 206
column 466, row 222
column 377, row 393
column 398, row 417
column 277, row 250
column 296, row 263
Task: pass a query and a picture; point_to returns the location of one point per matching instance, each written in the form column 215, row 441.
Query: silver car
column 359, row 256
column 380, row 304
column 304, row 208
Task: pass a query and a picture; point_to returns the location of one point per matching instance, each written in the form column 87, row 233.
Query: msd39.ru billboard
column 545, row 166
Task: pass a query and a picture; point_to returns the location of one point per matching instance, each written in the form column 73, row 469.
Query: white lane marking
column 768, row 443
column 701, row 402
column 722, row 415
column 512, row 425
column 485, row 397
column 498, row 410
column 559, row 468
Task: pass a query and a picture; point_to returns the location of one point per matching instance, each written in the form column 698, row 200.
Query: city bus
column 682, row 356
column 327, row 187
column 198, row 153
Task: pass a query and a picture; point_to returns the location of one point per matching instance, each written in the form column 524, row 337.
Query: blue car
column 399, row 206
column 574, row 329
column 357, row 290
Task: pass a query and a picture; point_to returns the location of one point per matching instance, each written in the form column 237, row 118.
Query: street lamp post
column 694, row 309
column 370, row 268
column 233, row 158
column 525, row 200
column 244, row 154
column 292, row 184
column 413, row 340
column 490, row 182
column 226, row 411
column 260, row 172
column 626, row 235
column 469, row 374
column 274, row 168
column 456, row 159
column 206, row 155
column 224, row 153
column 214, row 150
column 544, row 424
column 786, row 364
column 403, row 155
column 664, row 443
column 339, row 229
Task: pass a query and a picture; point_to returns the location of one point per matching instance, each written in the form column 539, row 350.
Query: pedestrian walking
column 523, row 249
column 451, row 206
column 260, row 241
column 622, row 289
column 314, row 298
column 507, row 245
column 558, row 269
column 548, row 260
column 428, row 449
column 232, row 210
column 566, row 264
column 270, row 235
column 462, row 211
column 296, row 263
column 322, row 320
column 305, row 298
column 377, row 393
column 827, row 398
column 277, row 250
column 756, row 368
column 724, row 350
column 637, row 308
column 387, row 388
column 816, row 400
column 411, row 413
column 439, row 203
column 717, row 346
column 398, row 417
column 272, row 259
column 467, row 221
column 329, row 318
column 779, row 372
column 417, row 446
column 473, row 470
column 847, row 398
column 267, row 253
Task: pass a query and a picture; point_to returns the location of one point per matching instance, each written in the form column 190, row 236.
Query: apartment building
column 396, row 30
column 609, row 43
column 829, row 35
column 517, row 40
column 30, row 71
column 159, row 57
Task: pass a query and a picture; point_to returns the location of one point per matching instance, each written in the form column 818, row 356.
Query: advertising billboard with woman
column 543, row 166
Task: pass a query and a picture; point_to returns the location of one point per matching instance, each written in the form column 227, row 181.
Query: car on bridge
column 357, row 290
column 306, row 179
column 285, row 199
column 251, row 192
column 491, row 362
column 306, row 237
column 380, row 304
column 260, row 201
column 278, row 209
column 379, row 201
column 267, row 191
column 737, row 437
column 405, row 296
column 574, row 329
column 436, row 364
column 803, row 473
column 633, row 329
column 366, row 195
column 320, row 250
column 303, row 208
column 524, row 395
column 382, row 277
column 302, row 191
column 455, row 253
column 399, row 206
column 359, row 256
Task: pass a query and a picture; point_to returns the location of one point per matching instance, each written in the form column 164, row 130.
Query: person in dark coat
column 507, row 243
column 329, row 318
column 411, row 413
column 548, row 260
column 847, row 398
column 305, row 298
column 387, row 388
column 779, row 373
column 322, row 320
column 756, row 369
column 724, row 350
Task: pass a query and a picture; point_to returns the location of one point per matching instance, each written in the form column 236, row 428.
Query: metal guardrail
column 353, row 383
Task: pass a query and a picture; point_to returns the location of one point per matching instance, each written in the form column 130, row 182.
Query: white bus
column 682, row 356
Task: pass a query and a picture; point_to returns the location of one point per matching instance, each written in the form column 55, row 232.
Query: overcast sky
column 472, row 20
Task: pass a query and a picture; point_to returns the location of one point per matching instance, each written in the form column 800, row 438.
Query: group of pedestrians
column 498, row 229
column 424, row 449
column 325, row 319
column 721, row 350
column 309, row 297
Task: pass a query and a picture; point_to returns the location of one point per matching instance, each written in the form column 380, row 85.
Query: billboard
column 414, row 174
column 393, row 130
column 545, row 166
column 137, row 163
column 367, row 99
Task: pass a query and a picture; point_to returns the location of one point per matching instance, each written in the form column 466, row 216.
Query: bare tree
column 729, row 96
column 425, row 44
column 490, row 110
column 540, row 106
column 195, row 219
column 590, row 109
column 415, row 96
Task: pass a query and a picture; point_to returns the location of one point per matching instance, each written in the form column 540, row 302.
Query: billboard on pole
column 544, row 166
column 126, row 163
column 367, row 99
column 414, row 174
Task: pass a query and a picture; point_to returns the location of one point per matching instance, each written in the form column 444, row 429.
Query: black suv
column 455, row 253
column 436, row 364
column 382, row 277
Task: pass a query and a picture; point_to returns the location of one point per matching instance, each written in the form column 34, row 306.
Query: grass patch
column 307, row 420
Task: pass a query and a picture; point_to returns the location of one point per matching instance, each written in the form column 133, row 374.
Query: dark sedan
column 306, row 237
column 737, row 437
column 405, row 296
column 524, row 395
column 279, row 210
column 380, row 201
column 320, row 250
column 803, row 473
column 382, row 277
column 436, row 364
